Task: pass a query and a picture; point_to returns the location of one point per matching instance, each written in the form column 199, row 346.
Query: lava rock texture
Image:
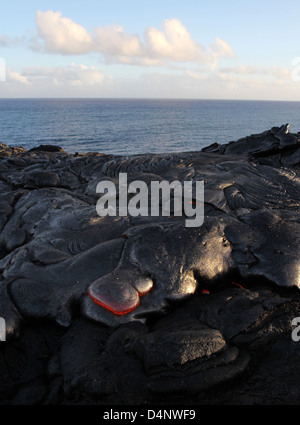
column 206, row 313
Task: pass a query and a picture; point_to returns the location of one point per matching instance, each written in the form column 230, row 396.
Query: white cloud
column 171, row 44
column 83, row 81
column 222, row 49
column 62, row 35
column 275, row 71
column 71, row 81
column 174, row 43
column 273, row 83
column 113, row 41
column 72, row 75
column 218, row 50
column 15, row 77
column 214, row 85
column 6, row 41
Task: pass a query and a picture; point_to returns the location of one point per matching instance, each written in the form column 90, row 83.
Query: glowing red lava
column 238, row 285
column 121, row 312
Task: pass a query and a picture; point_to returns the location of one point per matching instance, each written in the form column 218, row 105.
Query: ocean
column 129, row 127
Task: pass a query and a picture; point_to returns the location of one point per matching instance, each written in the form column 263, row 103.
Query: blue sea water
column 138, row 126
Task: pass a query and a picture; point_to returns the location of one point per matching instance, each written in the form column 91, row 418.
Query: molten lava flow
column 120, row 312
column 120, row 298
column 238, row 285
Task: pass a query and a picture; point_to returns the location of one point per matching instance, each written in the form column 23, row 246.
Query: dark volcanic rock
column 144, row 309
column 46, row 148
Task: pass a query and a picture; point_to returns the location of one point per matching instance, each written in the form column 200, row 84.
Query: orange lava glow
column 116, row 312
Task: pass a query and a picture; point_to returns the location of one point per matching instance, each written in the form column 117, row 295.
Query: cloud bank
column 78, row 80
column 172, row 43
column 62, row 35
column 190, row 69
column 6, row 41
column 275, row 71
column 73, row 75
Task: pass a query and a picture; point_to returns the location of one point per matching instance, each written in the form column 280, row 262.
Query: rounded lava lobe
column 189, row 284
column 143, row 285
column 120, row 292
column 118, row 297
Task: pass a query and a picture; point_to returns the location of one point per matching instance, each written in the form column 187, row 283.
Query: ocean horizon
column 138, row 126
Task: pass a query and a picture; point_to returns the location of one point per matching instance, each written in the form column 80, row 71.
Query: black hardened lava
column 142, row 310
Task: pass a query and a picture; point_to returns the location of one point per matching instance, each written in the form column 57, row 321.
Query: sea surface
column 129, row 127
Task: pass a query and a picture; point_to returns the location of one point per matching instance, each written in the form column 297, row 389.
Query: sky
column 191, row 49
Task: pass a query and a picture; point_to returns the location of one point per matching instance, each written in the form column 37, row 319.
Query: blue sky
column 232, row 49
